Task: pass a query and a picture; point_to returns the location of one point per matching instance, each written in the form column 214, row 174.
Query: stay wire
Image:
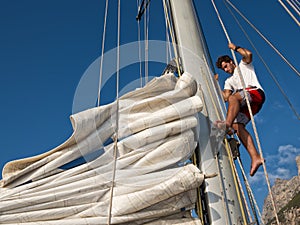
column 218, row 93
column 102, row 53
column 217, row 155
column 243, row 194
column 117, row 119
column 297, row 5
column 171, row 30
column 146, row 31
column 289, row 12
column 265, row 64
column 294, row 6
column 168, row 44
column 139, row 44
column 250, row 111
column 265, row 39
column 249, row 191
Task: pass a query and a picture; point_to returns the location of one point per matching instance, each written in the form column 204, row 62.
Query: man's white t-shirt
column 233, row 82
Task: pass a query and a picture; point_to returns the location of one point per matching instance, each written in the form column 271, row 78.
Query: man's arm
column 246, row 54
column 226, row 93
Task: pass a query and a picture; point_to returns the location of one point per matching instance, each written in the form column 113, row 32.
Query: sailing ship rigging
column 139, row 149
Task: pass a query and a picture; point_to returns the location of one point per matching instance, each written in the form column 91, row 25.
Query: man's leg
column 247, row 141
column 234, row 102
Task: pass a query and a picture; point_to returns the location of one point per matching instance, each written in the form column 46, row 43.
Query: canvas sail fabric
column 153, row 183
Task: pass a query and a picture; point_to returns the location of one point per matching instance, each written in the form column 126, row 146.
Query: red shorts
column 257, row 99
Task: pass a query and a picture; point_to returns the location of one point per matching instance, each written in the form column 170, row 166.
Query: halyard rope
column 261, row 58
column 139, row 43
column 289, row 12
column 265, row 39
column 250, row 111
column 146, row 35
column 232, row 165
column 117, row 118
column 102, row 53
column 172, row 37
column 249, row 190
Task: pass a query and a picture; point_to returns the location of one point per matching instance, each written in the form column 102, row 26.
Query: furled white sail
column 152, row 181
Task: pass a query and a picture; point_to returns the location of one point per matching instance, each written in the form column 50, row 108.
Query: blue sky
column 46, row 48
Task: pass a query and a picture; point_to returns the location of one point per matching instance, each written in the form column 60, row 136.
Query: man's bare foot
column 255, row 165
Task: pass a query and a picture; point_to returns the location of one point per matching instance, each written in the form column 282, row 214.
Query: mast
column 222, row 199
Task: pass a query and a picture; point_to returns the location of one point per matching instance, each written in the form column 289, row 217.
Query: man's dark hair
column 223, row 58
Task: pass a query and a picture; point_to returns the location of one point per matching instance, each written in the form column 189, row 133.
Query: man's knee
column 235, row 98
column 232, row 98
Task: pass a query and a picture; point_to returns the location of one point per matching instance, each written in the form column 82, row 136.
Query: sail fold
column 154, row 181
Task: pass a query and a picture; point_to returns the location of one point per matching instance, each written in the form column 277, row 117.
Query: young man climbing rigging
column 237, row 112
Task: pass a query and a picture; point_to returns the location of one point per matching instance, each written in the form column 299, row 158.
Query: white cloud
column 280, row 165
column 259, row 178
column 277, row 105
column 283, row 173
column 258, row 119
column 287, row 154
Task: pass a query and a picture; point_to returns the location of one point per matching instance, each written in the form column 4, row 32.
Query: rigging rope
column 265, row 64
column 117, row 119
column 294, row 5
column 168, row 45
column 232, row 165
column 265, row 39
column 249, row 190
column 242, row 192
column 289, row 12
column 250, row 111
column 297, row 6
column 143, row 9
column 223, row 194
column 146, row 31
column 139, row 43
column 102, row 53
column 171, row 30
column 218, row 93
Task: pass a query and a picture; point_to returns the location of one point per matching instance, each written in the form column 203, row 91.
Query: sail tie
column 250, row 111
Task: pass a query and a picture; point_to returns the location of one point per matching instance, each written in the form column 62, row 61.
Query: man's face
column 228, row 67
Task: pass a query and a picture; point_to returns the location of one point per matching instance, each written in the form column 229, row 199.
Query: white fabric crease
column 152, row 185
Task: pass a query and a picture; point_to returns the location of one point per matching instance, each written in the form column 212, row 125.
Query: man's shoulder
column 245, row 64
column 229, row 80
